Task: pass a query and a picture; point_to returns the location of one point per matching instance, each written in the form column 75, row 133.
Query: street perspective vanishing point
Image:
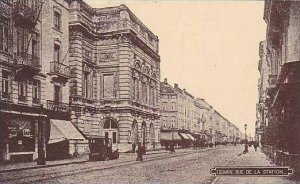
column 150, row 92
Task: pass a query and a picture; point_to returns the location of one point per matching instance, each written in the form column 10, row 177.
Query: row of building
column 182, row 113
column 69, row 72
column 278, row 107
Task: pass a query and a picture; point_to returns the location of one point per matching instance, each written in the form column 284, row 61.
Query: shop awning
column 191, row 137
column 61, row 130
column 184, row 136
column 167, row 136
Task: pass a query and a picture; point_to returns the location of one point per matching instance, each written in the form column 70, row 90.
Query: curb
column 41, row 166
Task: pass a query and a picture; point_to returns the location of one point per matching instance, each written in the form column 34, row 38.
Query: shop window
column 21, row 136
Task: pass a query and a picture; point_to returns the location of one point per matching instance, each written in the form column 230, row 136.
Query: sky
column 210, row 48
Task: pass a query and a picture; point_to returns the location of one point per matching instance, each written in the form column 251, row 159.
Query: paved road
column 191, row 166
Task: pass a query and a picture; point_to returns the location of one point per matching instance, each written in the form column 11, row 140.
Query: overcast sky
column 208, row 48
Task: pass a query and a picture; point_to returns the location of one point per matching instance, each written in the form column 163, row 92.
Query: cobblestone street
column 185, row 166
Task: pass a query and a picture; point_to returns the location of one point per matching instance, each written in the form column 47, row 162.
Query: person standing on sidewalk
column 255, row 146
column 140, row 151
column 133, row 147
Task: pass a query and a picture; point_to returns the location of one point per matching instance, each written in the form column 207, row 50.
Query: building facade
column 35, row 81
column 281, row 137
column 182, row 113
column 263, row 84
column 115, row 76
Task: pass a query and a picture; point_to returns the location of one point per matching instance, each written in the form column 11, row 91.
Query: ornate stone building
column 115, row 74
column 34, row 76
column 263, row 84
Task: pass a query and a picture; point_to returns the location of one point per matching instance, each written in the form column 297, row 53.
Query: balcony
column 58, row 106
column 24, row 14
column 272, row 80
column 5, row 9
column 26, row 63
column 60, row 70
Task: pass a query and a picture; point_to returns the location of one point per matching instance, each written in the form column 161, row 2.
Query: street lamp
column 246, row 132
column 172, row 133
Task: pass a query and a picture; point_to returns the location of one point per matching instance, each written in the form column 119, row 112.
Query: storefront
column 19, row 137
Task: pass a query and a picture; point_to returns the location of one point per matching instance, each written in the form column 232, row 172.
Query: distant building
column 182, row 113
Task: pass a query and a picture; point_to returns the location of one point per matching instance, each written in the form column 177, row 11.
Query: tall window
column 57, row 94
column 173, row 106
column 57, row 21
column 22, row 90
column 87, row 85
column 5, row 84
column 56, row 53
column 108, row 86
column 133, row 88
column 36, row 91
column 137, row 90
column 34, row 48
column 4, row 36
column 144, row 92
column 22, row 37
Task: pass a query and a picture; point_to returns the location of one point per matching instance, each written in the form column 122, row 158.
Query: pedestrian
column 255, row 146
column 172, row 149
column 140, row 151
column 246, row 148
column 133, row 147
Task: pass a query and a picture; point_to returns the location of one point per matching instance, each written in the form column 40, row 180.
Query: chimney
column 184, row 89
column 165, row 80
column 175, row 85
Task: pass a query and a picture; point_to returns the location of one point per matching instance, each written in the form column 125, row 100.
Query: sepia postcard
column 157, row 91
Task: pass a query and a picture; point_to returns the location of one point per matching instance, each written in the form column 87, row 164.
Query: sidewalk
column 252, row 158
column 83, row 158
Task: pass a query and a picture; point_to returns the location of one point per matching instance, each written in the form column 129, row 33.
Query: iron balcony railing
column 60, row 69
column 58, row 106
column 25, row 59
column 29, row 13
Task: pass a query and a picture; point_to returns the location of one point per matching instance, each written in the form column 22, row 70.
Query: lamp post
column 172, row 133
column 246, row 132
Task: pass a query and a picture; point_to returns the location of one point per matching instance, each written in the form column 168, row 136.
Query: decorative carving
column 108, row 56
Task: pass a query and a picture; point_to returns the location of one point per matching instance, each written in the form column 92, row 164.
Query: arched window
column 110, row 124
